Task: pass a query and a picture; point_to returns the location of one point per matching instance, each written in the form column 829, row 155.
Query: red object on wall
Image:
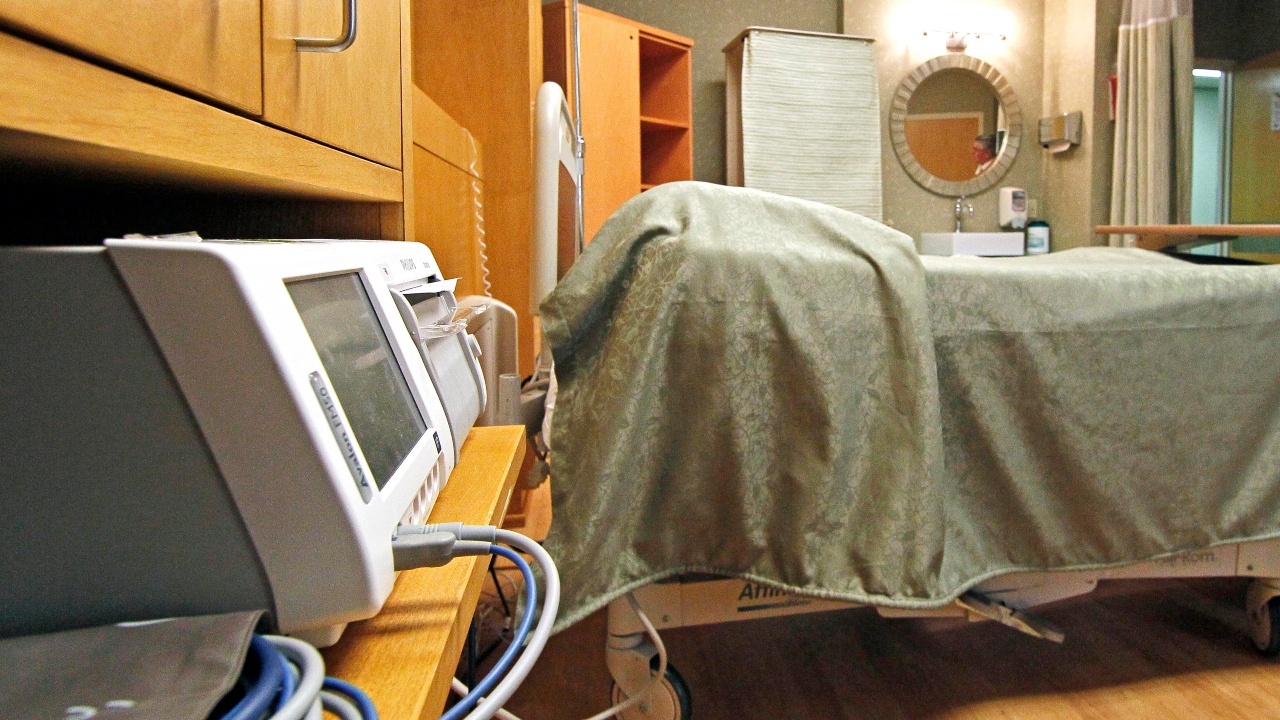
column 1114, row 83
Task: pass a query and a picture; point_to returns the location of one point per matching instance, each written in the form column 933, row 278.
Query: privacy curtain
column 1151, row 170
column 804, row 118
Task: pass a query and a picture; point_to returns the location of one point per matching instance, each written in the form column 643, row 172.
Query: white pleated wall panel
column 809, row 119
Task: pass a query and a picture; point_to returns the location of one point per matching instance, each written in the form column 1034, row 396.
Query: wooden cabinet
column 348, row 99
column 448, row 180
column 666, row 109
column 636, row 103
column 610, row 102
column 481, row 60
column 242, row 53
column 209, row 47
column 118, row 94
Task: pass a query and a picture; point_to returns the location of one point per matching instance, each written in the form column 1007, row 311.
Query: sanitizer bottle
column 1037, row 237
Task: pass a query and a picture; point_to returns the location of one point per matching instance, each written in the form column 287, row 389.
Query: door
column 1255, row 143
column 942, row 143
column 348, row 98
column 209, row 47
column 1255, row 155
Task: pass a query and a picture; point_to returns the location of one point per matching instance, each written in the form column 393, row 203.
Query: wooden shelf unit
column 666, row 108
column 666, row 155
column 653, row 124
column 637, row 108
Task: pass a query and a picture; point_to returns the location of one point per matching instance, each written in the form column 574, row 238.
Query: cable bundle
column 291, row 686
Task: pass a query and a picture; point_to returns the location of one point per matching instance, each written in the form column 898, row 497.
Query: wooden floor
column 1137, row 649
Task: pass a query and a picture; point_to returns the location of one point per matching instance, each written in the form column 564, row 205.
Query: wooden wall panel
column 481, row 61
column 445, row 219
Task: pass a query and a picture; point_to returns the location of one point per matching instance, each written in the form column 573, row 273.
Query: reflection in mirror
column 955, row 125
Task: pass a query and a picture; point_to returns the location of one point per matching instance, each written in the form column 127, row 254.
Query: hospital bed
column 1009, row 597
column 637, row 612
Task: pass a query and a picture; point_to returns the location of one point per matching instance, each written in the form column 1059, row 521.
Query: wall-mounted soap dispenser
column 1061, row 132
column 1013, row 208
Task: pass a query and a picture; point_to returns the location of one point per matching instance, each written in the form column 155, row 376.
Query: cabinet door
column 210, row 47
column 348, row 99
column 610, row 116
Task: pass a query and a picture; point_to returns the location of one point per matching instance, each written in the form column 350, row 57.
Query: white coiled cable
column 479, row 214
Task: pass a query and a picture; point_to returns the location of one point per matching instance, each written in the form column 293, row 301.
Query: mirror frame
column 898, row 125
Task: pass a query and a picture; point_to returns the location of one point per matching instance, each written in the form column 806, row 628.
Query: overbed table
column 1159, row 237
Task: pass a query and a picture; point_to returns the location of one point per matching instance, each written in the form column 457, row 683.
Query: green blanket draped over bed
column 763, row 387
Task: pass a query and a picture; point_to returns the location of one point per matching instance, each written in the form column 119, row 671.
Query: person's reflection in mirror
column 984, row 152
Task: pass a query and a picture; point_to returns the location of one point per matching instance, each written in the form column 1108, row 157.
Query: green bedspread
column 763, row 387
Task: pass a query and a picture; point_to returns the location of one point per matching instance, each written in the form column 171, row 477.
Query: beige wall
column 1058, row 56
column 711, row 24
column 1079, row 55
column 901, row 46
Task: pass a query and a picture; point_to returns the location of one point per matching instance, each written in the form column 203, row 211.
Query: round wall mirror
column 955, row 125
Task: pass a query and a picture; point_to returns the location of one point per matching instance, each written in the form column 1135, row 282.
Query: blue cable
column 290, row 683
column 276, row 679
column 508, row 658
column 258, row 698
column 363, row 703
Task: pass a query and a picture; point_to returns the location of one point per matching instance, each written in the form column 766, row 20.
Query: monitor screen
column 366, row 377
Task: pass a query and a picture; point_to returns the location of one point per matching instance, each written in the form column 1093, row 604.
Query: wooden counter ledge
column 405, row 656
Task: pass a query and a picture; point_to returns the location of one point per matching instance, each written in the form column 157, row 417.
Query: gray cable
column 340, row 706
column 311, row 665
column 537, row 639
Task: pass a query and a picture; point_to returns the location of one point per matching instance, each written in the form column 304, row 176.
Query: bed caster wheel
column 1264, row 627
column 669, row 699
column 1263, row 608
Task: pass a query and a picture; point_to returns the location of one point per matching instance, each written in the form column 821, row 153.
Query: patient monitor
column 203, row 427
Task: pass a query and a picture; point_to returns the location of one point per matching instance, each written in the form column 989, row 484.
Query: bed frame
column 685, row 601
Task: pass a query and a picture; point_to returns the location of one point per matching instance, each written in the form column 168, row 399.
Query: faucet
column 961, row 206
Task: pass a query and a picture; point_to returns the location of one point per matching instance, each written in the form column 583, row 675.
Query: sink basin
column 973, row 243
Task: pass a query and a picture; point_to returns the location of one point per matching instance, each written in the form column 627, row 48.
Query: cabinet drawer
column 209, row 47
column 349, row 99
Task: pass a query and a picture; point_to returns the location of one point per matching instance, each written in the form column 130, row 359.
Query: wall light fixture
column 957, row 22
column 958, row 41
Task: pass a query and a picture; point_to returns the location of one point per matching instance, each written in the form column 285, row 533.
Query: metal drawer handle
column 337, row 44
